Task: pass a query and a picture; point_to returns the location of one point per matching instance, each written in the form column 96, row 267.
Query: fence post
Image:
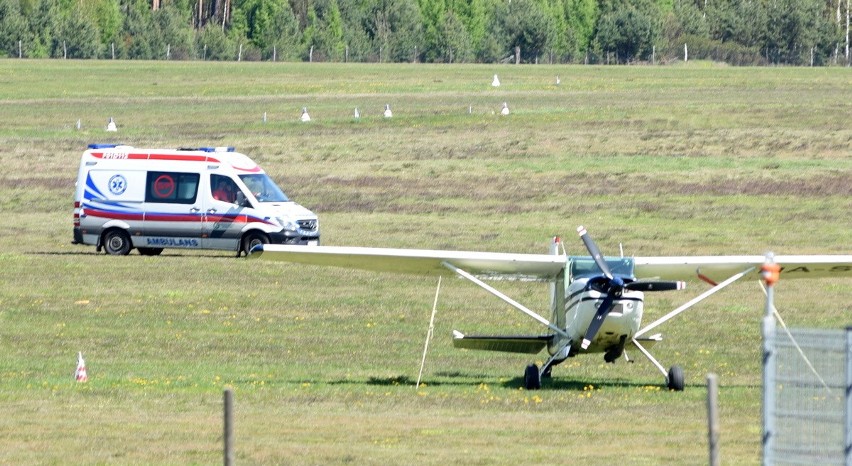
column 229, row 427
column 847, row 396
column 769, row 271
column 713, row 418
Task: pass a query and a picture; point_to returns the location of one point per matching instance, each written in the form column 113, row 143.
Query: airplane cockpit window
column 584, row 266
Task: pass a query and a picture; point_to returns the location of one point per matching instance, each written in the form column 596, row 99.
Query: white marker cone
column 388, row 112
column 111, row 125
column 495, row 82
column 80, row 374
column 505, row 110
column 305, row 116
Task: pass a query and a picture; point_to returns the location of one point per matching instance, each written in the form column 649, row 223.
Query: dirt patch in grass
column 436, row 194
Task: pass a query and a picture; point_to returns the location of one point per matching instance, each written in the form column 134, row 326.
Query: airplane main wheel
column 675, row 379
column 532, row 378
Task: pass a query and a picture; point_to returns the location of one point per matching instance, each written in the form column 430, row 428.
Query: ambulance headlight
column 287, row 224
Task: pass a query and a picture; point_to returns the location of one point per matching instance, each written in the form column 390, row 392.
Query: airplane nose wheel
column 674, row 381
column 532, row 377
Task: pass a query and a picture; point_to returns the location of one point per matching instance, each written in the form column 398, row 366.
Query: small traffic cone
column 80, row 374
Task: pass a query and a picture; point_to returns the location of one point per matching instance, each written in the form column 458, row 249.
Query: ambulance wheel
column 253, row 239
column 532, row 378
column 150, row 251
column 117, row 242
column 675, row 379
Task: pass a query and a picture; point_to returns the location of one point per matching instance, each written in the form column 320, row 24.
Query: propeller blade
column 594, row 251
column 606, row 306
column 655, row 285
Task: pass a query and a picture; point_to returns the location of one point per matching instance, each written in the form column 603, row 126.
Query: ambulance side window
column 223, row 188
column 171, row 187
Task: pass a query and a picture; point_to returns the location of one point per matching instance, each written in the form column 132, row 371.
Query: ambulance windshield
column 263, row 188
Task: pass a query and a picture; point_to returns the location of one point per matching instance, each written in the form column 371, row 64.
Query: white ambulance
column 203, row 198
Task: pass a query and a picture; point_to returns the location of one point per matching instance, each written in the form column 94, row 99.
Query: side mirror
column 241, row 199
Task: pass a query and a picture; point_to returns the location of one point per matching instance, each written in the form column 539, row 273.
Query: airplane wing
column 719, row 268
column 490, row 265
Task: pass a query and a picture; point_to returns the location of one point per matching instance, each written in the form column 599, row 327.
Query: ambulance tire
column 117, row 242
column 150, row 251
column 253, row 239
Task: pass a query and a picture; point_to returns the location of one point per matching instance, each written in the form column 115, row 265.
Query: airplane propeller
column 614, row 287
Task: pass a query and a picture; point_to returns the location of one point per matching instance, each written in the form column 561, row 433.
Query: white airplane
column 596, row 302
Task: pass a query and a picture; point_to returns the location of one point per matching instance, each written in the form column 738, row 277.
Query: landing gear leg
column 674, row 377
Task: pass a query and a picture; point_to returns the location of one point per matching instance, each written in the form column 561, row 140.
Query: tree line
column 740, row 32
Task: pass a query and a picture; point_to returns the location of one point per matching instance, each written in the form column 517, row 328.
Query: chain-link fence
column 809, row 406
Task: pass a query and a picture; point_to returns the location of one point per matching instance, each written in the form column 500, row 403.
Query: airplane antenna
column 429, row 333
column 621, row 249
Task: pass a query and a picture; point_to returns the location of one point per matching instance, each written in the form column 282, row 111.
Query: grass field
column 698, row 159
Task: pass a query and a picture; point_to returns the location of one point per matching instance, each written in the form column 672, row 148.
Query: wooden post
column 713, row 418
column 229, row 427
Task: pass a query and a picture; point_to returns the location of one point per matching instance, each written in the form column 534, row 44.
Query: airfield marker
column 388, row 113
column 505, row 110
column 305, row 117
column 495, row 82
column 111, row 125
column 80, row 374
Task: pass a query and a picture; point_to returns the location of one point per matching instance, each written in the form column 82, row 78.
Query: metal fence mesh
column 809, row 406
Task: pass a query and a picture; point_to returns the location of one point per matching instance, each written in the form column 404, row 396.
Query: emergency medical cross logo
column 117, row 184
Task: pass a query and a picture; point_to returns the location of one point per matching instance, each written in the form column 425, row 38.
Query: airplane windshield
column 585, row 266
column 263, row 188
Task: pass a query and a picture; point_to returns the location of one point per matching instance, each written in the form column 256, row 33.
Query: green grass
column 679, row 160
